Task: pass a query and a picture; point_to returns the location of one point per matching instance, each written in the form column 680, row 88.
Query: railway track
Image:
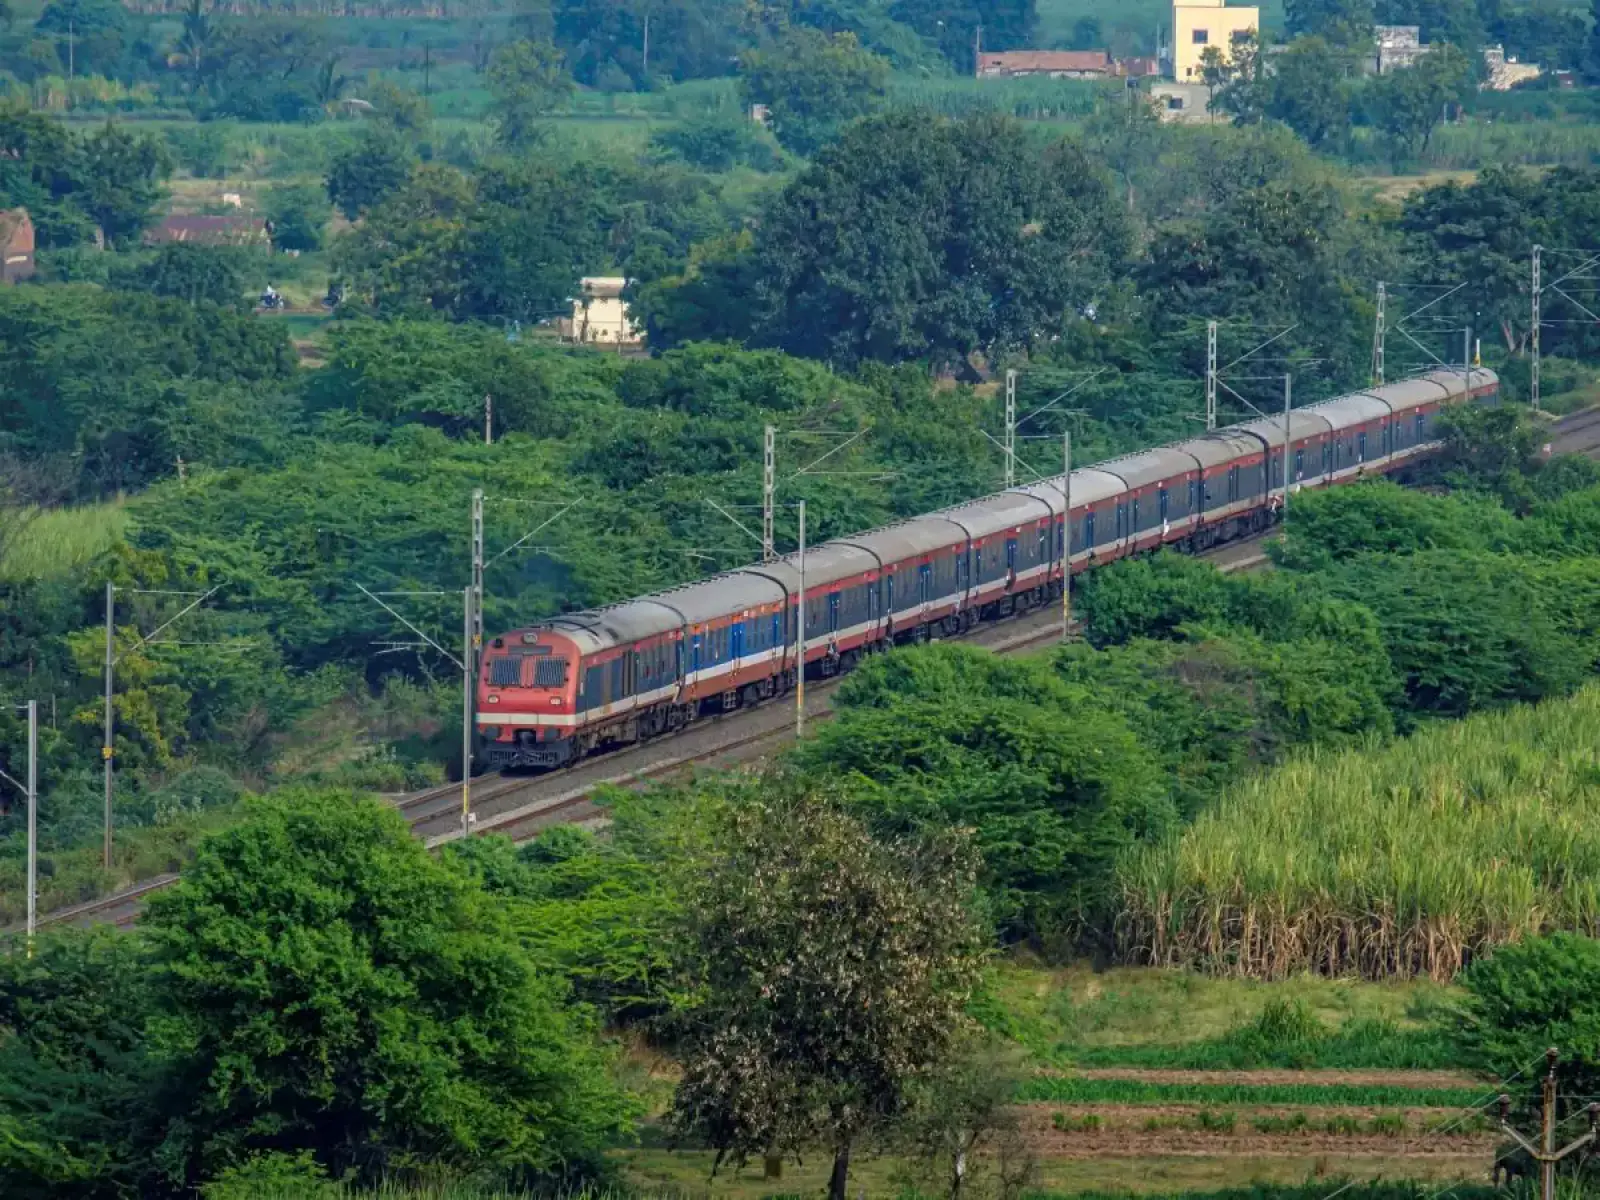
column 522, row 806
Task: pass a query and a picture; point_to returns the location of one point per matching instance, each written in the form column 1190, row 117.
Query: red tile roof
column 1013, row 62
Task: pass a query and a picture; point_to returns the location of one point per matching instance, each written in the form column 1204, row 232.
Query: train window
column 505, row 672
column 618, row 678
column 549, row 672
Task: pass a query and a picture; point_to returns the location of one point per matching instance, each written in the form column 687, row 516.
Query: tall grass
column 1404, row 861
column 61, row 541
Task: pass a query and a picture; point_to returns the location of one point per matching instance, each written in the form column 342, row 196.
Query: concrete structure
column 1138, row 68
column 1188, row 103
column 1057, row 64
column 1397, row 47
column 16, row 245
column 1198, row 25
column 600, row 315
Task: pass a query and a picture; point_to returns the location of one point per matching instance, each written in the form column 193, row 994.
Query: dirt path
column 1397, row 1079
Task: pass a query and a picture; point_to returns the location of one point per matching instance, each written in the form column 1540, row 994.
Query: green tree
column 812, row 84
column 1407, row 105
column 981, row 241
column 299, row 217
column 209, row 274
column 952, row 25
column 527, row 80
column 120, row 178
column 833, row 971
column 81, row 1103
column 398, row 108
column 689, row 39
column 1529, row 995
column 1309, row 90
column 368, row 173
column 332, row 988
column 1340, row 22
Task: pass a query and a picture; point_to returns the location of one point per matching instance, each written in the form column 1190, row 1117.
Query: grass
column 59, row 542
column 1155, row 1018
column 1403, row 861
column 1071, row 1089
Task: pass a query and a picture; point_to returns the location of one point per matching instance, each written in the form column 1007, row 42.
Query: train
column 587, row 682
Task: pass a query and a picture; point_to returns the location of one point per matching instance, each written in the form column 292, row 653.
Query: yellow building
column 1197, row 24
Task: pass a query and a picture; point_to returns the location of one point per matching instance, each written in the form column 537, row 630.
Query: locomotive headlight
column 494, row 699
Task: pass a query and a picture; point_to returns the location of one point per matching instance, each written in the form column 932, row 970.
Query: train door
column 888, row 591
column 736, row 650
column 1233, row 485
column 1165, row 505
column 1088, row 529
column 833, row 612
column 1361, row 446
column 1011, row 556
column 694, row 654
column 872, row 600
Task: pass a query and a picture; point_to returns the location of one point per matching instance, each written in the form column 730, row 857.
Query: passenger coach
column 590, row 680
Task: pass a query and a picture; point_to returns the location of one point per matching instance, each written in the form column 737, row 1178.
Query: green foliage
column 980, row 243
column 1076, row 1090
column 197, row 274
column 1055, row 786
column 1407, row 105
column 527, row 80
column 717, row 143
column 332, row 988
column 72, row 183
column 1530, row 995
column 299, row 217
column 369, row 173
column 832, row 970
column 79, row 1101
column 812, row 84
column 1336, row 524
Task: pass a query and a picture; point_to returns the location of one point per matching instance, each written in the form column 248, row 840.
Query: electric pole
column 800, row 671
column 1066, row 537
column 1288, row 384
column 33, row 822
column 488, row 419
column 769, row 488
column 1380, row 331
column 1538, row 322
column 468, row 634
column 108, row 744
column 1011, row 429
column 477, row 574
column 1546, row 1155
column 1211, row 376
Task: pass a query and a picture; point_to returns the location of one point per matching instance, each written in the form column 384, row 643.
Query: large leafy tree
column 1339, row 21
column 607, row 45
column 917, row 237
column 812, row 84
column 369, row 172
column 527, row 79
column 120, row 181
column 333, row 988
column 1408, row 105
column 833, row 971
column 954, row 26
